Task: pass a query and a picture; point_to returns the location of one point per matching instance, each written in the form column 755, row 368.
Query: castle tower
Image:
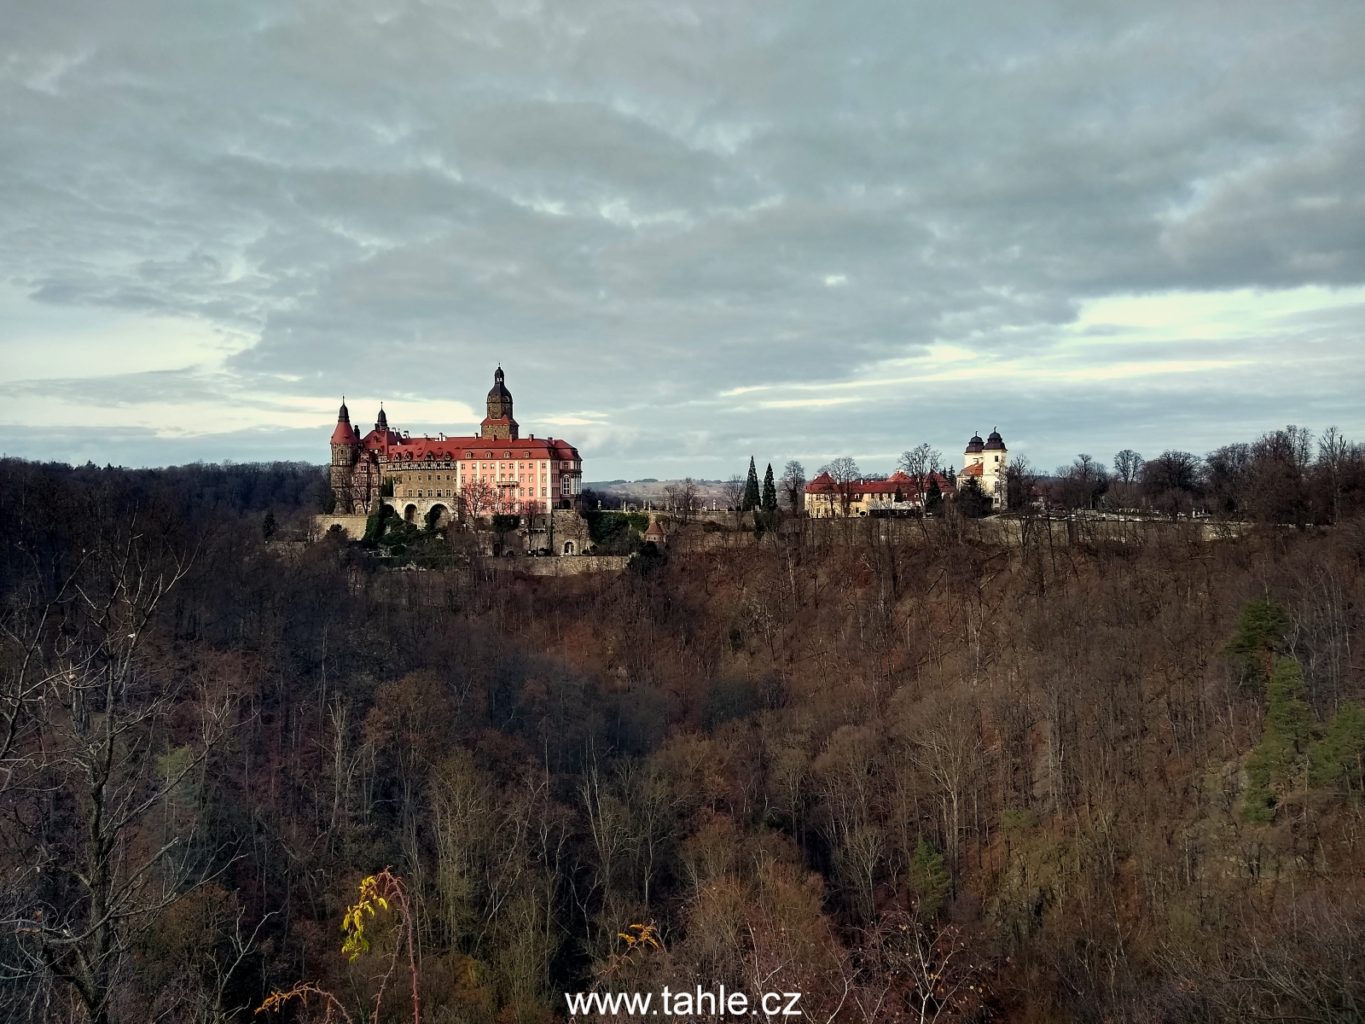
column 974, row 454
column 345, row 450
column 986, row 461
column 995, row 456
column 655, row 534
column 499, row 425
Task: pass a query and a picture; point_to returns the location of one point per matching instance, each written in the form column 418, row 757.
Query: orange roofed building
column 826, row 497
column 496, row 472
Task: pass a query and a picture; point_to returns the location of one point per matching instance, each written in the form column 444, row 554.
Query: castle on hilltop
column 429, row 479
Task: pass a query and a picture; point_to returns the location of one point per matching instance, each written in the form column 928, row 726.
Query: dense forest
column 911, row 775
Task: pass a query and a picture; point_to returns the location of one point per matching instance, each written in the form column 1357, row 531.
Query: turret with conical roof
column 655, row 534
column 345, row 451
column 344, row 434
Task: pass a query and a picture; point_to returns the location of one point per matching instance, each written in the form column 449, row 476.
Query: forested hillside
column 929, row 779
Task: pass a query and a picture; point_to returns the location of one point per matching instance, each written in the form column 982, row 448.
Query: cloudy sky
column 689, row 231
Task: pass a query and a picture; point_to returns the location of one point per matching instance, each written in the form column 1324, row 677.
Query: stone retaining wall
column 564, row 565
column 353, row 526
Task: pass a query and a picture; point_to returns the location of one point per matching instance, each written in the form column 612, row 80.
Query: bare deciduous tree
column 682, row 497
column 732, row 491
column 919, row 463
column 106, row 788
column 1127, row 466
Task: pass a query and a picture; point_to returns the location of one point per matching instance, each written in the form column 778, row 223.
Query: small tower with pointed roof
column 499, row 425
column 655, row 533
column 345, row 449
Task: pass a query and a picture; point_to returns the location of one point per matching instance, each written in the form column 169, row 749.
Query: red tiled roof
column 975, row 469
column 822, row 484
column 414, row 449
column 344, row 434
column 381, row 438
column 908, row 486
column 897, row 481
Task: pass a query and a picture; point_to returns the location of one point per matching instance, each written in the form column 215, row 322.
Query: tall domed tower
column 499, row 425
column 995, row 458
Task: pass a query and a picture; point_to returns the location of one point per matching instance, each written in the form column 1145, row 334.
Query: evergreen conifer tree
column 933, row 498
column 1338, row 759
column 769, row 491
column 1261, row 632
column 929, row 879
column 973, row 500
column 1277, row 761
column 751, row 495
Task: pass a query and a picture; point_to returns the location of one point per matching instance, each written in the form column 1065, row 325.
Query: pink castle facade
column 496, row 472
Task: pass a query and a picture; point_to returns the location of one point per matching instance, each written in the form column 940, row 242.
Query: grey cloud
column 636, row 206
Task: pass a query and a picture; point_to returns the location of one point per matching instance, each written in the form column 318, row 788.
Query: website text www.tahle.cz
column 684, row 1003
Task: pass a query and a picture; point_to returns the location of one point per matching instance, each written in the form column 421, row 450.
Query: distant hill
column 656, row 491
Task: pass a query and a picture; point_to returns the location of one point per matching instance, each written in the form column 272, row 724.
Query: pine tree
column 1260, row 636
column 751, row 495
column 769, row 491
column 1276, row 763
column 933, row 500
column 973, row 500
column 929, row 880
column 1338, row 759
